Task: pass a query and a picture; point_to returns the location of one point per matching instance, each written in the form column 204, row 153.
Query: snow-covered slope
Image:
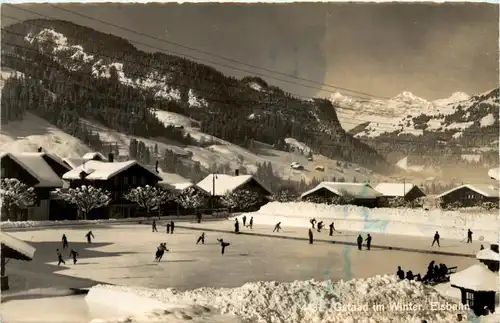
column 407, row 113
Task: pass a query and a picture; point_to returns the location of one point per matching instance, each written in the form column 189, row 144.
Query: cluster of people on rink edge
column 435, row 274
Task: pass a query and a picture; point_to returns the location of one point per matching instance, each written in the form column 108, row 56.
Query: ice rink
column 123, row 254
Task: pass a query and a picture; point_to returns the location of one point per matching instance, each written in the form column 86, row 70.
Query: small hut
column 477, row 285
column 490, row 258
column 13, row 248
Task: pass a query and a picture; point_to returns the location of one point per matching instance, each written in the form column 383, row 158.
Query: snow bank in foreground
column 414, row 222
column 376, row 299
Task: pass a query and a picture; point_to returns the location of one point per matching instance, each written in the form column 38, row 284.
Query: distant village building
column 494, row 173
column 39, row 170
column 361, row 193
column 490, row 257
column 115, row 177
column 470, row 195
column 409, row 192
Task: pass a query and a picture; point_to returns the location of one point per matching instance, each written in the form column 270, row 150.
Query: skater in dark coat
column 244, row 220
column 160, row 250
column 360, row 241
column 236, row 226
column 172, row 225
column 311, row 236
column 313, row 222
column 331, row 229
column 60, row 258
column 436, row 239
column 168, row 227
column 368, row 241
column 400, row 273
column 250, row 224
column 198, row 216
column 277, row 227
column 89, row 235
column 469, row 236
column 201, row 238
column 320, row 226
column 73, row 254
column 64, row 241
column 154, row 226
column 223, row 245
column 482, row 247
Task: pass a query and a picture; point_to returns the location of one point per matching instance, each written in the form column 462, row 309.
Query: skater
column 60, row 258
column 88, row 235
column 64, row 241
column 313, row 222
column 172, row 225
column 73, row 254
column 244, row 220
column 320, row 226
column 201, row 238
column 469, row 236
column 236, row 226
column 250, row 224
column 277, row 227
column 436, row 239
column 400, row 273
column 481, row 248
column 199, row 217
column 331, row 229
column 168, row 227
column 360, row 241
column 223, row 245
column 368, row 241
column 154, row 226
column 311, row 236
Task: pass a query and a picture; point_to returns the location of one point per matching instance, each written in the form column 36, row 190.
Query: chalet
column 490, row 257
column 218, row 185
column 409, row 192
column 74, row 162
column 478, row 286
column 361, row 193
column 37, row 170
column 494, row 173
column 470, row 195
column 115, row 177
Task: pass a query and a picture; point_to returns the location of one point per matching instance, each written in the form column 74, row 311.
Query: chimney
column 236, row 172
column 156, row 167
column 40, row 149
column 111, row 157
column 494, row 247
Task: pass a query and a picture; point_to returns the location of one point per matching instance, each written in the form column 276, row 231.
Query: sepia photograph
column 295, row 162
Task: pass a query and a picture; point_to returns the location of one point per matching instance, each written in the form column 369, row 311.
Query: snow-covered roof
column 488, row 254
column 54, row 157
column 477, row 278
column 185, row 186
column 99, row 170
column 37, row 167
column 394, row 189
column 171, row 178
column 226, row 183
column 356, row 190
column 483, row 189
column 494, row 173
column 92, row 155
column 73, row 162
column 18, row 248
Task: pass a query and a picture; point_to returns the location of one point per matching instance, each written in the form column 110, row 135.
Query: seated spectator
column 409, row 275
column 400, row 273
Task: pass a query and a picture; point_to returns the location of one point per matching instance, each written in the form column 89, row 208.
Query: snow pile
column 36, row 224
column 376, row 299
column 403, row 221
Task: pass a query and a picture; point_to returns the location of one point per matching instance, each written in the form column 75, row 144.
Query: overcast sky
column 431, row 50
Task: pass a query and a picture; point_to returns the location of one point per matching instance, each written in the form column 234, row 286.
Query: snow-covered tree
column 490, row 206
column 86, row 198
column 396, row 202
column 240, row 199
column 285, row 195
column 148, row 197
column 13, row 193
column 190, row 199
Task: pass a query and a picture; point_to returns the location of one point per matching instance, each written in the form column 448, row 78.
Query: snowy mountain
column 103, row 77
column 463, row 122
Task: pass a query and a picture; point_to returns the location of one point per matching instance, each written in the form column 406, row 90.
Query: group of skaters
column 435, row 273
column 170, row 227
column 72, row 254
column 244, row 220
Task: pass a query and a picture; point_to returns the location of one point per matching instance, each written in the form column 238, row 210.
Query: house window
column 469, row 298
column 125, row 180
column 143, row 180
column 117, row 181
column 4, row 172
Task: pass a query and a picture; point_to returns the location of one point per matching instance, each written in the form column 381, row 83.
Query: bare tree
column 14, row 193
column 148, row 197
column 86, row 198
